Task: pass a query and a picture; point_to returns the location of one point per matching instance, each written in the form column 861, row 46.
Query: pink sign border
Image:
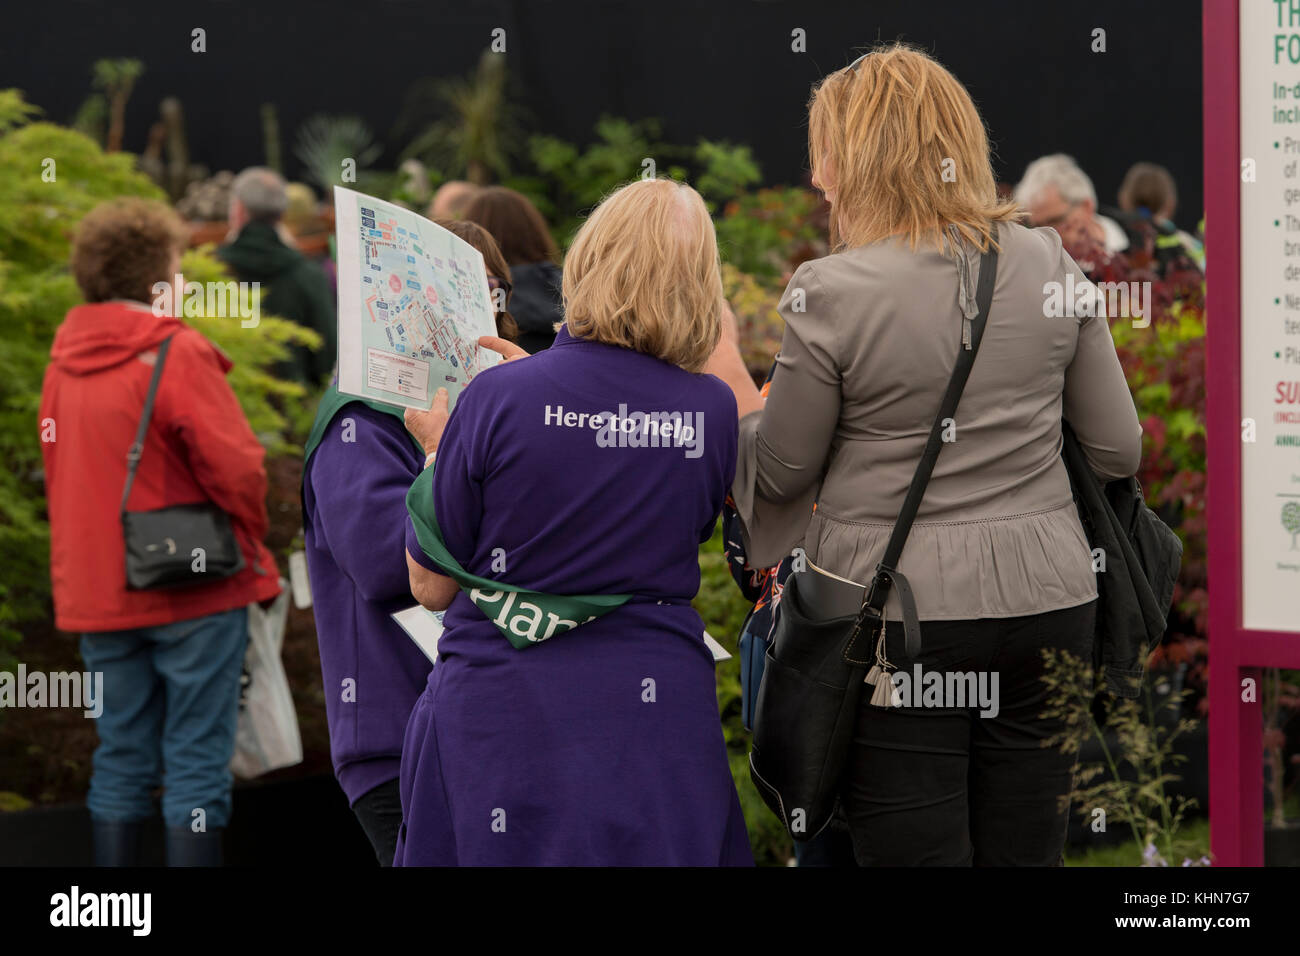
column 1236, row 750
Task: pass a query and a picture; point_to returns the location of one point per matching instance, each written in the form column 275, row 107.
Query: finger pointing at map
column 505, row 348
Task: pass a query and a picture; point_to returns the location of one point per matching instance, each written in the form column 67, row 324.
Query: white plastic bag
column 267, row 736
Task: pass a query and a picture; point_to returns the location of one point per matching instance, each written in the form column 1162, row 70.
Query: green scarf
column 329, row 406
column 524, row 617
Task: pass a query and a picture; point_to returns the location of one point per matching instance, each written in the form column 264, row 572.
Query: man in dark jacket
column 292, row 286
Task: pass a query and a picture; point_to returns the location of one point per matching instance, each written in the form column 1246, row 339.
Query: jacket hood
column 258, row 255
column 101, row 335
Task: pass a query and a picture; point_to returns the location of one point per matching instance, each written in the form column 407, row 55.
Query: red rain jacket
column 199, row 448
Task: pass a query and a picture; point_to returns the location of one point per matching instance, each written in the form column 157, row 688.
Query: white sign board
column 1270, row 314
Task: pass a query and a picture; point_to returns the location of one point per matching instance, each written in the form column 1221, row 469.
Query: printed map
column 413, row 300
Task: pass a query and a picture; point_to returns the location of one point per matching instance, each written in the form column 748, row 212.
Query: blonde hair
column 643, row 273
column 905, row 150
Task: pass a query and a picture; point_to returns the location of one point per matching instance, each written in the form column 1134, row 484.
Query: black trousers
column 939, row 785
column 380, row 814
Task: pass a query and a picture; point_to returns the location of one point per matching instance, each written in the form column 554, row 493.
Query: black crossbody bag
column 823, row 652
column 179, row 545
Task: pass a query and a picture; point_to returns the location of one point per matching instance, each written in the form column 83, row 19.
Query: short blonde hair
column 905, row 151
column 643, row 273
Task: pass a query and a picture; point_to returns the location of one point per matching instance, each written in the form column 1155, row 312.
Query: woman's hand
column 507, row 350
column 427, row 426
column 432, row 590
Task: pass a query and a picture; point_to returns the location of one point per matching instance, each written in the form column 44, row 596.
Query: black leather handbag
column 823, row 651
column 179, row 545
column 1143, row 559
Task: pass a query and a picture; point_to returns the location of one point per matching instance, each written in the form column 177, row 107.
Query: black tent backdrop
column 722, row 69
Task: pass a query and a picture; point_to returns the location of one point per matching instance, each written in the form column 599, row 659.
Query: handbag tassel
column 885, row 693
column 879, row 675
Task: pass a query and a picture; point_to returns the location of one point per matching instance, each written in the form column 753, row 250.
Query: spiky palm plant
column 325, row 142
column 479, row 131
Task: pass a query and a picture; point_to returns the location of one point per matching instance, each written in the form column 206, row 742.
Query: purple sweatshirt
column 354, row 515
column 584, row 469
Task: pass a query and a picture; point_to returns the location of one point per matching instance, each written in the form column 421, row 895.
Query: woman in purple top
column 546, row 734
column 372, row 673
column 360, row 460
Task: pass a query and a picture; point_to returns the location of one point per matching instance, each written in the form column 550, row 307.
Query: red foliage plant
column 1164, row 363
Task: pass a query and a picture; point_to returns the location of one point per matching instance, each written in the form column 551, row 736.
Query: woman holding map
column 572, row 717
column 360, row 451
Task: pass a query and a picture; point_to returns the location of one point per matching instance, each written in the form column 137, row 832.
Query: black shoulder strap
column 136, row 451
column 887, row 571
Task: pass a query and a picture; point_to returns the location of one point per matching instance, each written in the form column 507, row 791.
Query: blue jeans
column 171, row 699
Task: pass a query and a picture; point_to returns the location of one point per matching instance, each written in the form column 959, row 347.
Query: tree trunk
column 116, row 122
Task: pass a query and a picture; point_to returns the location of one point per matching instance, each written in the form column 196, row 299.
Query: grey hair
column 262, row 192
column 1057, row 170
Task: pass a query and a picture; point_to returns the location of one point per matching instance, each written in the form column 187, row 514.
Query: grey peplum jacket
column 870, row 342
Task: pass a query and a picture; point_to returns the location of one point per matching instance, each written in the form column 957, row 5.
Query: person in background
column 171, row 658
column 360, row 462
column 1147, row 201
column 575, row 722
column 293, row 287
column 452, row 197
column 498, row 272
column 526, row 242
column 300, row 215
column 1055, row 192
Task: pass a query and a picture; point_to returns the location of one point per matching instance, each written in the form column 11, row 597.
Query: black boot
column 187, row 848
column 116, row 843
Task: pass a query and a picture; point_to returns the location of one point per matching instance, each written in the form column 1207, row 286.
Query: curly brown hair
column 123, row 247
column 493, row 260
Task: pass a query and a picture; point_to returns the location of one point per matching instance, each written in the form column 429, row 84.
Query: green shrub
column 725, row 171
column 763, row 232
column 576, row 180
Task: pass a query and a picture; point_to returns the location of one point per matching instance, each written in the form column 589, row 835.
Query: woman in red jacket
column 170, row 659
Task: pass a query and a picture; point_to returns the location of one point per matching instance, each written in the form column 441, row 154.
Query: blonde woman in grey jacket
column 997, row 559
